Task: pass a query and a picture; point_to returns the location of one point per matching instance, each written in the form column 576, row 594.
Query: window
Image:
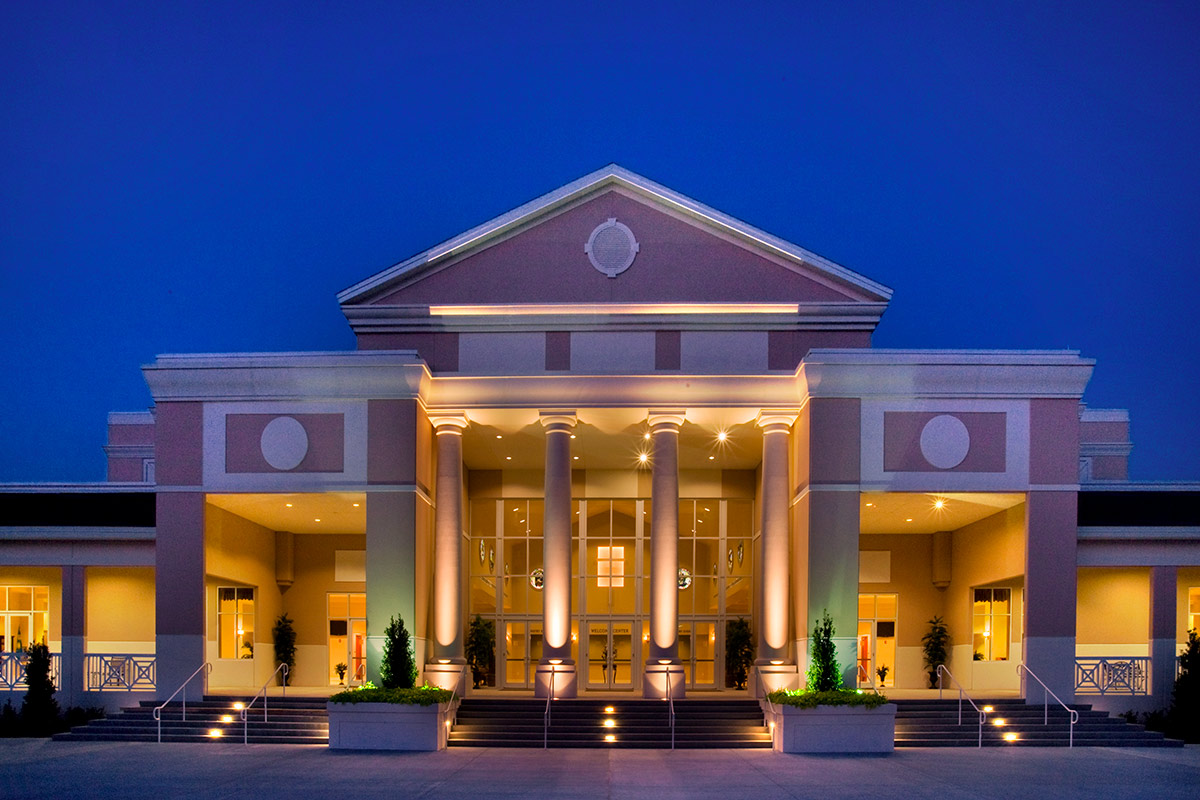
column 610, row 566
column 1193, row 608
column 24, row 617
column 991, row 620
column 235, row 622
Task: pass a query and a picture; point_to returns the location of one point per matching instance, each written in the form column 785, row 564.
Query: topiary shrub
column 39, row 711
column 399, row 667
column 824, row 674
column 739, row 652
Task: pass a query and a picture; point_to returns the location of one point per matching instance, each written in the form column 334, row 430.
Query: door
column 347, row 639
column 522, row 652
column 876, row 650
column 610, row 652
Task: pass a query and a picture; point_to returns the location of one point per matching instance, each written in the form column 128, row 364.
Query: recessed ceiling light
column 575, row 457
column 712, row 458
column 572, row 436
column 355, row 505
column 643, row 457
column 498, row 436
column 939, row 503
column 908, row 520
column 646, row 436
column 289, row 505
column 870, row 505
column 318, row 519
column 508, row 458
column 722, row 436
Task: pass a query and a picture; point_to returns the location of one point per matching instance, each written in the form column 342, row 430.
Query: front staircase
column 291, row 720
column 934, row 723
column 502, row 722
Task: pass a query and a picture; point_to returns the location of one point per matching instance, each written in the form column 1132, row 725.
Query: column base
column 774, row 676
column 565, row 679
column 449, row 674
column 655, row 681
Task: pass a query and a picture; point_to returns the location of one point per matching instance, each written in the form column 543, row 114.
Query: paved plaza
column 38, row 768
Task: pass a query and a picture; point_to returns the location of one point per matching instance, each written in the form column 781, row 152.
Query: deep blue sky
column 198, row 177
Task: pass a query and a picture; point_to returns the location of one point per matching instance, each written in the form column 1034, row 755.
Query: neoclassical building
column 611, row 421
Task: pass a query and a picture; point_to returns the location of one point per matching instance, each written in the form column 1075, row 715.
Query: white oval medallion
column 945, row 441
column 284, row 443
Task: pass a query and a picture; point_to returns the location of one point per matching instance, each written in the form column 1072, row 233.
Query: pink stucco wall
column 179, row 563
column 677, row 262
column 1053, row 441
column 131, row 434
column 125, row 469
column 179, row 444
column 1050, row 563
column 833, row 440
column 391, row 441
column 786, row 348
column 1104, row 431
column 326, row 442
column 439, row 350
column 902, row 441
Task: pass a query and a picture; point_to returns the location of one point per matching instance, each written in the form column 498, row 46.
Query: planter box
column 835, row 729
column 388, row 726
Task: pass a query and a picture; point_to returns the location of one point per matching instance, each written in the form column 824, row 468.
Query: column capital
column 666, row 417
column 557, row 419
column 776, row 419
column 448, row 421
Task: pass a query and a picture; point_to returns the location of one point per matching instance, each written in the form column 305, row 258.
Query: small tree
column 481, row 650
column 285, row 644
column 39, row 711
column 399, row 667
column 739, row 652
column 936, row 647
column 823, row 674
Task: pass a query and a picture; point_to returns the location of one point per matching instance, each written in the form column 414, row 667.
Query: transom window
column 235, row 622
column 991, row 620
column 610, row 566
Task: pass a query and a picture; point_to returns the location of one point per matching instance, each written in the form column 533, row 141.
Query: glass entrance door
column 522, row 652
column 610, row 651
column 876, row 640
column 347, row 639
column 697, row 651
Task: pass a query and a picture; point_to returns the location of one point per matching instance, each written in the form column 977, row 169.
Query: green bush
column 837, row 697
column 824, row 674
column 423, row 696
column 935, row 646
column 481, row 651
column 39, row 711
column 399, row 667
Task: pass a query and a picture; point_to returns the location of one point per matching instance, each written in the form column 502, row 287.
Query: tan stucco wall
column 239, row 552
column 120, row 609
column 1113, row 612
column 305, row 600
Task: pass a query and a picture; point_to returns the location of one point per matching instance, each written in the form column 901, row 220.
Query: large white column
column 557, row 668
column 662, row 661
column 446, row 662
column 773, row 663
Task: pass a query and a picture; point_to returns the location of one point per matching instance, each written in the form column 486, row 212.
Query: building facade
column 611, row 421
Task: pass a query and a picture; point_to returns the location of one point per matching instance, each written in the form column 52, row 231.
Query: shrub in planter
column 824, row 674
column 739, row 652
column 390, row 719
column 285, row 644
column 398, row 669
column 936, row 648
column 481, row 651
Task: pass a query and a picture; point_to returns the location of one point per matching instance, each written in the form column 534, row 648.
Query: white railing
column 671, row 706
column 962, row 693
column 263, row 694
column 118, row 672
column 204, row 668
column 1073, row 715
column 1122, row 676
column 12, row 670
column 864, row 678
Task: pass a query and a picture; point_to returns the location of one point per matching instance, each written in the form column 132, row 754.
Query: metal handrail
column 263, row 694
column 546, row 714
column 671, row 706
column 941, row 670
column 765, row 694
column 206, row 668
column 1047, row 694
column 863, row 676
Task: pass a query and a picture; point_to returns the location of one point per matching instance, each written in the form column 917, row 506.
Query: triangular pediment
column 686, row 253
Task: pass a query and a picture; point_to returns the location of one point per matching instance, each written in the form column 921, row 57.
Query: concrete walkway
column 44, row 769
